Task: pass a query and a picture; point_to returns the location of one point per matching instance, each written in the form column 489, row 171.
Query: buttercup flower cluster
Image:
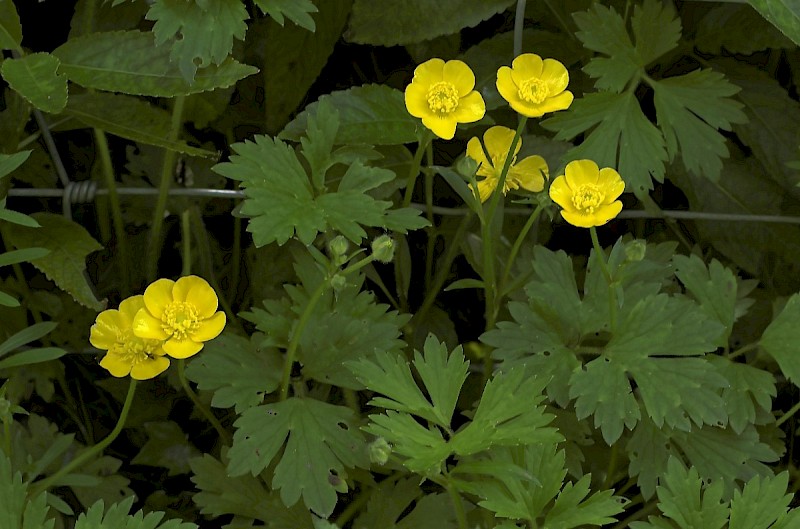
column 442, row 94
column 172, row 319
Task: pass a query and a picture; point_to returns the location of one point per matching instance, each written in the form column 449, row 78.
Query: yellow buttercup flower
column 587, row 194
column 529, row 173
column 127, row 354
column 182, row 313
column 442, row 94
column 534, row 87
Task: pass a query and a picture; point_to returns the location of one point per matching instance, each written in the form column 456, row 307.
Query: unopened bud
column 379, row 451
column 635, row 250
column 383, row 249
column 338, row 282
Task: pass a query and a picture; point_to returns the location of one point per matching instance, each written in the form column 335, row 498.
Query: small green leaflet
column 117, row 517
column 298, row 11
column 200, row 33
column 781, row 339
column 16, row 510
column 321, row 442
column 282, row 201
column 237, row 370
column 689, row 110
column 221, row 494
column 507, row 414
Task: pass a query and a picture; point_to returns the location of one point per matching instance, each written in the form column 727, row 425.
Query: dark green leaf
column 35, row 78
column 295, row 10
column 781, row 339
column 737, row 28
column 783, row 14
column 9, row 162
column 10, row 27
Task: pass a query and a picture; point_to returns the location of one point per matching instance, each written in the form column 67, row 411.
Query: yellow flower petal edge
column 587, row 194
column 126, row 353
column 528, row 174
column 182, row 313
column 534, row 87
column 441, row 94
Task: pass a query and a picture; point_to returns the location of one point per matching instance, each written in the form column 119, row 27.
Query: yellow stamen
column 587, row 198
column 533, row 90
column 180, row 320
column 132, row 349
column 442, row 97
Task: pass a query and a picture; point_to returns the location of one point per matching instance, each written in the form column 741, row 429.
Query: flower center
column 442, row 97
column 132, row 349
column 587, row 198
column 533, row 90
column 180, row 319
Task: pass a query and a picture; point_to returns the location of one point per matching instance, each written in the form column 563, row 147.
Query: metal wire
column 86, row 191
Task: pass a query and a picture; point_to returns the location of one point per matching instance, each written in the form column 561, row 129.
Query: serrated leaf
column 391, row 500
column 221, row 494
column 683, row 498
column 424, row 449
column 749, row 388
column 117, row 516
column 237, row 370
column 649, row 451
column 35, row 78
column 131, row 118
column 69, row 244
column 783, row 14
column 282, row 202
column 602, row 389
column 737, row 28
column 689, row 109
column 656, row 29
column 199, row 33
column 286, row 84
column 508, row 414
column 390, row 374
column 320, row 438
column 10, row 27
column 621, row 137
column 781, row 339
column 167, row 446
column 572, row 508
column 16, row 511
column 129, row 62
column 762, row 502
column 369, row 114
column 714, row 287
column 298, row 11
column 394, row 22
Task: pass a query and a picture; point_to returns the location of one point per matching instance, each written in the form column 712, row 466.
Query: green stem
column 413, row 171
column 91, row 452
column 186, row 243
column 7, row 437
column 458, row 505
column 742, row 350
column 518, row 244
column 236, row 256
column 612, row 464
column 785, row 417
column 167, row 168
column 221, row 431
column 116, row 210
column 612, row 293
column 305, row 317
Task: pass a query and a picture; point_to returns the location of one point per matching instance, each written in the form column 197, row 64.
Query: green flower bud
column 379, row 451
column 635, row 250
column 383, row 249
column 338, row 282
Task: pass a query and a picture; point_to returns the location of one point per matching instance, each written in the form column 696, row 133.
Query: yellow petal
column 528, row 173
column 611, row 183
column 560, row 192
column 606, row 213
column 555, row 75
column 486, row 188
column 553, row 104
column 130, row 306
column 471, row 108
column 579, row 219
column 526, row 66
column 184, row 284
column 210, row 328
column 416, row 100
column 112, row 319
column 204, row 299
column 116, row 365
column 475, row 151
column 505, row 84
column 182, row 348
column 458, row 73
column 102, row 337
column 429, row 72
column 146, row 326
column 444, row 127
column 149, row 368
column 158, row 295
column 580, row 172
column 497, row 140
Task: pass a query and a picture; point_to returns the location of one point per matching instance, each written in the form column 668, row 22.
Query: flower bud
column 383, row 249
column 338, row 282
column 635, row 250
column 379, row 451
